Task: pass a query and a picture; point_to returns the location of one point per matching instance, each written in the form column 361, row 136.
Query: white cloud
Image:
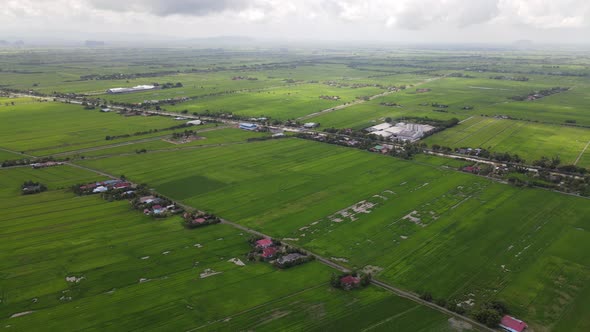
column 316, row 19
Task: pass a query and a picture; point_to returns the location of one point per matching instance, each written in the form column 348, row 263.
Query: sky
column 394, row 21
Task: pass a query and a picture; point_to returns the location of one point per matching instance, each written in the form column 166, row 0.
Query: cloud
column 310, row 19
column 174, row 7
column 546, row 14
column 415, row 15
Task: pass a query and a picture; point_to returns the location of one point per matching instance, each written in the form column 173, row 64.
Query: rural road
column 582, row 153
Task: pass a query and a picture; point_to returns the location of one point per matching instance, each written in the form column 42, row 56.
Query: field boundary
column 581, row 153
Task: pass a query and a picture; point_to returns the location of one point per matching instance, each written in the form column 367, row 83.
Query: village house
column 146, row 199
column 289, row 258
column 269, row 252
column 100, row 189
column 471, row 169
column 264, row 243
column 512, row 324
column 350, row 281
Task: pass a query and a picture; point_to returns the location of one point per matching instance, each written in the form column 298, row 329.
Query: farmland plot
column 457, row 236
column 84, row 263
column 530, row 141
column 55, row 127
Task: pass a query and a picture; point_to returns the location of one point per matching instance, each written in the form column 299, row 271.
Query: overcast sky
column 398, row 21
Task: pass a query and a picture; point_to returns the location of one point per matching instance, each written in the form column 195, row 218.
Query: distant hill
column 94, row 43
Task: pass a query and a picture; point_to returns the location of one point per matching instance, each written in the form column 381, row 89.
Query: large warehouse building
column 133, row 89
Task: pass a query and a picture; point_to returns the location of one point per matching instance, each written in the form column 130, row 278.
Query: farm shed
column 248, row 126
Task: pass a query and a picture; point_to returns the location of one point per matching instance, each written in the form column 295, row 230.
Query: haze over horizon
column 403, row 21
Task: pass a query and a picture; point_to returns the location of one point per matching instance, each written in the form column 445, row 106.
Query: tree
column 555, row 161
column 489, row 317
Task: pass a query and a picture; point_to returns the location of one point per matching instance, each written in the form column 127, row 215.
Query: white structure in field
column 133, row 89
column 195, row 123
column 401, row 131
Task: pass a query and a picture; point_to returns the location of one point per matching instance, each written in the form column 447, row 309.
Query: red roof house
column 350, row 281
column 199, row 220
column 121, row 185
column 512, row 324
column 264, row 243
column 269, row 252
column 471, row 169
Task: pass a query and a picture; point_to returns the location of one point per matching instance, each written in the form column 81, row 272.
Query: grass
column 43, row 128
column 289, row 188
column 529, row 140
column 280, row 103
column 457, row 236
column 54, row 235
column 214, row 137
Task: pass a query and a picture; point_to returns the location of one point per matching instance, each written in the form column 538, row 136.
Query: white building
column 400, row 131
column 137, row 88
column 379, row 127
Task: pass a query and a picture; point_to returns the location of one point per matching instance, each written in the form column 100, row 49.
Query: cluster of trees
column 199, row 219
column 579, row 184
column 491, row 313
column 185, row 134
column 482, row 153
column 336, row 280
column 122, row 76
column 531, row 72
column 26, row 161
column 248, row 78
column 139, row 133
column 510, row 78
column 441, row 302
column 549, row 163
column 461, row 75
column 29, row 187
column 170, row 85
column 268, row 121
column 390, row 104
column 540, row 94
